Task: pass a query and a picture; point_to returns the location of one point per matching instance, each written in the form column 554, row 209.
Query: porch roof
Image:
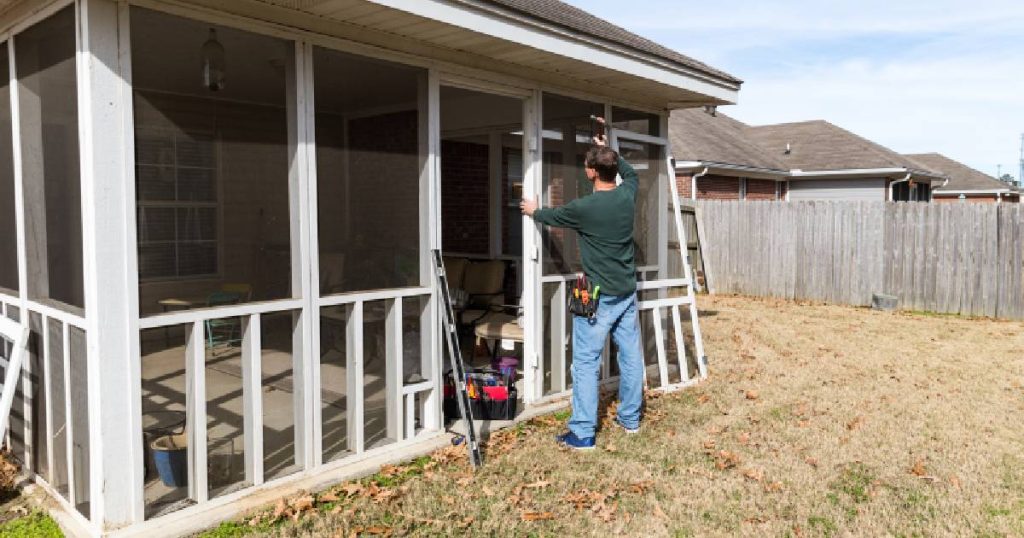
column 546, row 41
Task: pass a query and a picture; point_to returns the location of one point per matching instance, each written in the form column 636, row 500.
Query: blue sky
column 916, row 76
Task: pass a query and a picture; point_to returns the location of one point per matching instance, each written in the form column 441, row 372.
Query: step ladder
column 455, row 356
column 690, row 282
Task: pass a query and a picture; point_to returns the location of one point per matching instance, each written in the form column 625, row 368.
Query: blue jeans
column 616, row 315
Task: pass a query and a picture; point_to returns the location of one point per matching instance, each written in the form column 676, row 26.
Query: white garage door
column 837, row 189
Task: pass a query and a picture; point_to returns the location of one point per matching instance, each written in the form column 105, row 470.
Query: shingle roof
column 961, row 176
column 698, row 136
column 819, row 145
column 573, row 18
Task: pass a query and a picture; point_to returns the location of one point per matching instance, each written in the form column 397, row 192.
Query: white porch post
column 111, row 277
column 533, row 377
column 431, row 354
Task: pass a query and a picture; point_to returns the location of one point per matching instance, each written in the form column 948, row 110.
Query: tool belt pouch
column 582, row 300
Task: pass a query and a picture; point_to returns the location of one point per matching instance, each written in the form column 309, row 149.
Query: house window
column 178, row 204
column 923, row 192
column 901, row 192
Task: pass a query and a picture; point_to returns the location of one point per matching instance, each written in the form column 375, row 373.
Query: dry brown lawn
column 816, row 421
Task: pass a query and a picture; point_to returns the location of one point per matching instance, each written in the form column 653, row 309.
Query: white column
column 252, row 398
column 533, row 335
column 304, row 252
column 111, row 276
column 431, row 355
column 393, row 374
column 312, row 401
column 355, row 382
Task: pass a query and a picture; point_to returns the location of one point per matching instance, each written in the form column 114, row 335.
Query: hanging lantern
column 213, row 63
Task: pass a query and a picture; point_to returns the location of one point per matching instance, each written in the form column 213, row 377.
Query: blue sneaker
column 569, row 440
column 627, row 429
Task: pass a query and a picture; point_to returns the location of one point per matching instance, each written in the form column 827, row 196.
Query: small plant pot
column 170, row 454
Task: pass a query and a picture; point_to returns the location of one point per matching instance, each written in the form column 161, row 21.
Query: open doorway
column 482, row 231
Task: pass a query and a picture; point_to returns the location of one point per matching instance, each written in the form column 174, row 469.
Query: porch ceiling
column 482, row 35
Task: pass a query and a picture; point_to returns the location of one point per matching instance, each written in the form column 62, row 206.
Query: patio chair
column 227, row 331
column 485, row 284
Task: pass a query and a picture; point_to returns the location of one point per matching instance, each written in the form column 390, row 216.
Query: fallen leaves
column 752, row 395
column 919, row 470
column 293, row 508
column 726, row 460
column 640, row 487
column 328, row 497
column 773, row 487
column 536, row 516
column 757, row 475
column 855, row 423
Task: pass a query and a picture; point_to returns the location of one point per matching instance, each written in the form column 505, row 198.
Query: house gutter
column 982, row 191
column 798, row 174
column 753, row 172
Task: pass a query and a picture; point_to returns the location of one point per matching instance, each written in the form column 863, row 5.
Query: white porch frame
column 112, row 321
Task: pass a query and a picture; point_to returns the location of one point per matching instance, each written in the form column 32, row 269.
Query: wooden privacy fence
column 951, row 258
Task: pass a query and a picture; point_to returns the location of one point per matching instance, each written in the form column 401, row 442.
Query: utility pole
column 1020, row 174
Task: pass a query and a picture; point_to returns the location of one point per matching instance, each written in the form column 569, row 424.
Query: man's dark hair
column 605, row 161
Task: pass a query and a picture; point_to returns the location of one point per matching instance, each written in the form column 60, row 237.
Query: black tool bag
column 582, row 298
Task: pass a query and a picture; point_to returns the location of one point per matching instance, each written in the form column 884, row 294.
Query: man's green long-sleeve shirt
column 604, row 222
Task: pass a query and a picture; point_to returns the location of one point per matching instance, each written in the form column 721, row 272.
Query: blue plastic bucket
column 170, row 454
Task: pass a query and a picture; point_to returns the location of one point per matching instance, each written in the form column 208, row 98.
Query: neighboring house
column 217, row 220
column 827, row 162
column 966, row 183
column 717, row 159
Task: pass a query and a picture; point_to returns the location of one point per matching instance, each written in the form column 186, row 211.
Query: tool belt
column 582, row 298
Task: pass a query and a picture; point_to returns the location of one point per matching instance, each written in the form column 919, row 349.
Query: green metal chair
column 227, row 331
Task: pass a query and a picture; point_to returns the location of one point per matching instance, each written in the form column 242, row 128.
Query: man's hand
column 528, row 206
column 601, row 140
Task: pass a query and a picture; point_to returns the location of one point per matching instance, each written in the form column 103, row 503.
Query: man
column 604, row 222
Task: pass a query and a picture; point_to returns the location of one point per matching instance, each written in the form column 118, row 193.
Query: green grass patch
column 34, row 525
column 822, row 524
column 855, row 483
column 414, row 468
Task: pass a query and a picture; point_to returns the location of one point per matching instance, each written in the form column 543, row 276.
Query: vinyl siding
column 837, row 189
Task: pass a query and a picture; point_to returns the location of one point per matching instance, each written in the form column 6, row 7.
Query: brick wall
column 760, row 189
column 712, row 187
column 465, row 192
column 683, row 183
column 718, row 188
